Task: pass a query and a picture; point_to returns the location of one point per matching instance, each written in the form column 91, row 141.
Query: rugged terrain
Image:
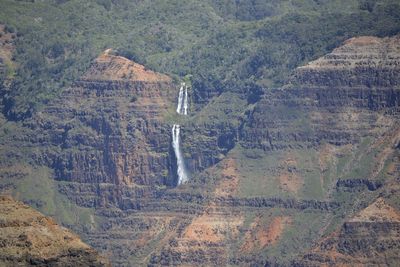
column 371, row 237
column 28, row 238
column 319, row 153
column 310, row 155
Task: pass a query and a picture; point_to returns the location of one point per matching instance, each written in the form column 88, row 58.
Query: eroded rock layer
column 110, row 126
column 371, row 237
column 264, row 187
column 29, row 238
column 352, row 93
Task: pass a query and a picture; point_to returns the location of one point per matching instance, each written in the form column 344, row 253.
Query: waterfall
column 182, row 108
column 185, row 102
column 182, row 176
column 180, row 99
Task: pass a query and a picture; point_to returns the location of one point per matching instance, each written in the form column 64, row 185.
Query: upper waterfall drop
column 180, row 99
column 183, row 103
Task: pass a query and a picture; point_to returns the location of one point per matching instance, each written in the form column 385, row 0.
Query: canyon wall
column 110, row 126
column 338, row 99
column 28, row 238
column 308, row 156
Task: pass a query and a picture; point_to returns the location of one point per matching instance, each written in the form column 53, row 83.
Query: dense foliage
column 227, row 45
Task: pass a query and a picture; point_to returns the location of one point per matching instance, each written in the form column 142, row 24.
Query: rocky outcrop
column 183, row 226
column 366, row 61
column 109, row 67
column 28, row 238
column 352, row 184
column 371, row 237
column 254, row 182
column 110, row 135
column 353, row 92
column 111, row 127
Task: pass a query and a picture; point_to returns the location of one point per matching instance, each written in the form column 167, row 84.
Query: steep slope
column 330, row 135
column 87, row 138
column 334, row 108
column 303, row 157
column 111, row 126
column 371, row 237
column 29, row 238
column 349, row 94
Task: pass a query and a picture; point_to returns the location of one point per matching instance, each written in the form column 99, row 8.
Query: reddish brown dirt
column 213, row 226
column 379, row 211
column 6, row 44
column 7, row 48
column 111, row 67
column 28, row 232
column 261, row 234
column 229, row 183
column 363, row 41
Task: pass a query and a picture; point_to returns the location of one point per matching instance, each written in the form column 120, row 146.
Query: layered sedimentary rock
column 351, row 93
column 28, row 238
column 325, row 110
column 371, row 237
column 109, row 135
column 307, row 155
column 110, row 126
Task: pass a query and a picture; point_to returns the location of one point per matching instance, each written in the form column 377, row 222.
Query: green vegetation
column 38, row 188
column 231, row 50
column 226, row 108
column 293, row 241
column 237, row 46
column 258, row 171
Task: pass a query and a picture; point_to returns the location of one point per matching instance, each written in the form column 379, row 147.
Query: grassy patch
column 39, row 190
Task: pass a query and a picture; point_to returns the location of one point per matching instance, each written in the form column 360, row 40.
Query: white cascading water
column 182, row 108
column 182, row 176
column 180, row 99
column 185, row 103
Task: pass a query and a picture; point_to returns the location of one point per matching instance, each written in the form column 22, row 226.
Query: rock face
column 353, row 92
column 109, row 135
column 28, row 238
column 371, row 237
column 108, row 67
column 110, row 125
column 303, row 157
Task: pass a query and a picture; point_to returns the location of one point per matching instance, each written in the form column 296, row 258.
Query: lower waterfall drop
column 182, row 176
